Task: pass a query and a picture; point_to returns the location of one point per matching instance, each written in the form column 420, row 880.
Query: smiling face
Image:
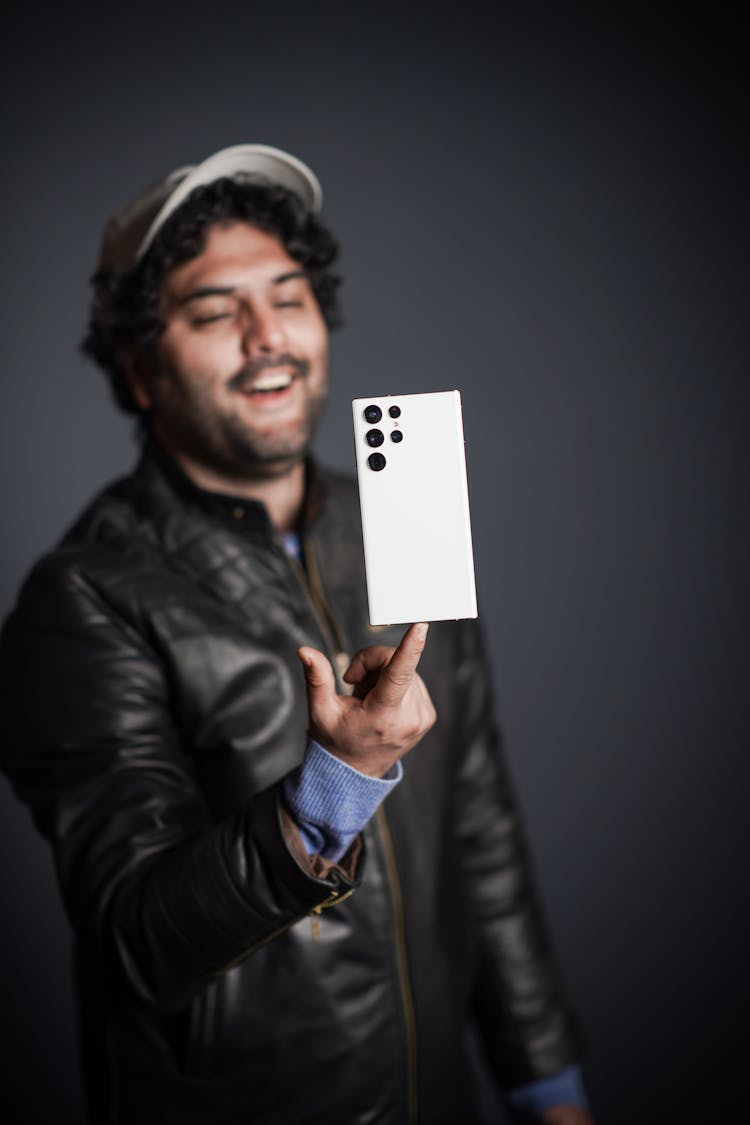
column 241, row 373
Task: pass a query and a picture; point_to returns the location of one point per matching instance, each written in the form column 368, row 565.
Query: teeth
column 272, row 381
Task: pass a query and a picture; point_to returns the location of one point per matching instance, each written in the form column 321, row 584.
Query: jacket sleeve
column 525, row 1025
column 169, row 896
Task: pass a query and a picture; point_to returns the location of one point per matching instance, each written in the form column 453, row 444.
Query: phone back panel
column 415, row 510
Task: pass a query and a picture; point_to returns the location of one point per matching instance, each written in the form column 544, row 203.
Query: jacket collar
column 237, row 512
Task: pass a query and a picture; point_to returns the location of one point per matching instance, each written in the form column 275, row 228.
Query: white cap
column 129, row 233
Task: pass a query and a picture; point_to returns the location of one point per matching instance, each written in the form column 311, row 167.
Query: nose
column 263, row 332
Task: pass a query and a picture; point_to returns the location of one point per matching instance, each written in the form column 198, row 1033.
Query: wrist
column 372, row 764
column 331, row 801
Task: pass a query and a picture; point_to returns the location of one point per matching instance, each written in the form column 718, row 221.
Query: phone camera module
column 376, row 461
column 374, row 438
column 394, row 411
column 397, row 436
column 373, row 413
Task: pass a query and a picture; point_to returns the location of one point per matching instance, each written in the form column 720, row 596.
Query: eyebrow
column 228, row 290
column 288, row 276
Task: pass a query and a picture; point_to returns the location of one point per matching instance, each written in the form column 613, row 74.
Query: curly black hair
column 124, row 317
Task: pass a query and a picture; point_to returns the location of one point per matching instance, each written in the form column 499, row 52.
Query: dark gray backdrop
column 547, row 212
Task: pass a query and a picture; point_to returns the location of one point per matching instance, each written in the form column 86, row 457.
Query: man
column 204, row 727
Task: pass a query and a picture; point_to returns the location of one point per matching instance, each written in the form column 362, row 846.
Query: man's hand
column 389, row 712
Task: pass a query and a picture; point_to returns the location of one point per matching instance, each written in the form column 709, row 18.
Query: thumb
column 319, row 680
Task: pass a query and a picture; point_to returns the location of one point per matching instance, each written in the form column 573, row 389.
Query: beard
column 190, row 422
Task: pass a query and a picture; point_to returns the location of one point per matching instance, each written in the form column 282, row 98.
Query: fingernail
column 421, row 630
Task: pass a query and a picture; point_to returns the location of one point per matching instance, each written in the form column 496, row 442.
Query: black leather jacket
column 152, row 702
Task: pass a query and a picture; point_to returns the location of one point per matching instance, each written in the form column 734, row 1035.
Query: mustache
column 254, row 367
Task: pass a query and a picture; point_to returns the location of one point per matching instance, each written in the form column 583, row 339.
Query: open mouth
column 270, row 383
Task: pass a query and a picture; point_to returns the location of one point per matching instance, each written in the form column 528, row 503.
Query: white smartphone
column 414, row 499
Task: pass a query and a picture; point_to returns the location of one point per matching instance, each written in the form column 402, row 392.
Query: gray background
column 548, row 212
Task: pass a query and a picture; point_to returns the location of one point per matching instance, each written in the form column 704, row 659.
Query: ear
column 138, row 377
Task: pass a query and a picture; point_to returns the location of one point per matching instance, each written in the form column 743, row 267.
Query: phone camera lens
column 394, row 411
column 373, row 413
column 396, row 435
column 374, row 437
column 376, row 461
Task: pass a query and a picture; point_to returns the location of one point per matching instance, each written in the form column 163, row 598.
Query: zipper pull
column 334, row 897
column 315, row 914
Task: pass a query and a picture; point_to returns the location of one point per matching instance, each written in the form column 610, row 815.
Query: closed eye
column 210, row 319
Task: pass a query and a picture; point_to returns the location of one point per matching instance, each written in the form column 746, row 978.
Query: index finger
column 396, row 677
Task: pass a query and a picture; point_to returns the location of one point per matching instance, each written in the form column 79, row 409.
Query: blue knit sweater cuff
column 565, row 1088
column 332, row 802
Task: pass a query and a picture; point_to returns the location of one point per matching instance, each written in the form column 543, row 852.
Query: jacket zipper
column 333, row 899
column 407, row 1000
column 258, row 945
